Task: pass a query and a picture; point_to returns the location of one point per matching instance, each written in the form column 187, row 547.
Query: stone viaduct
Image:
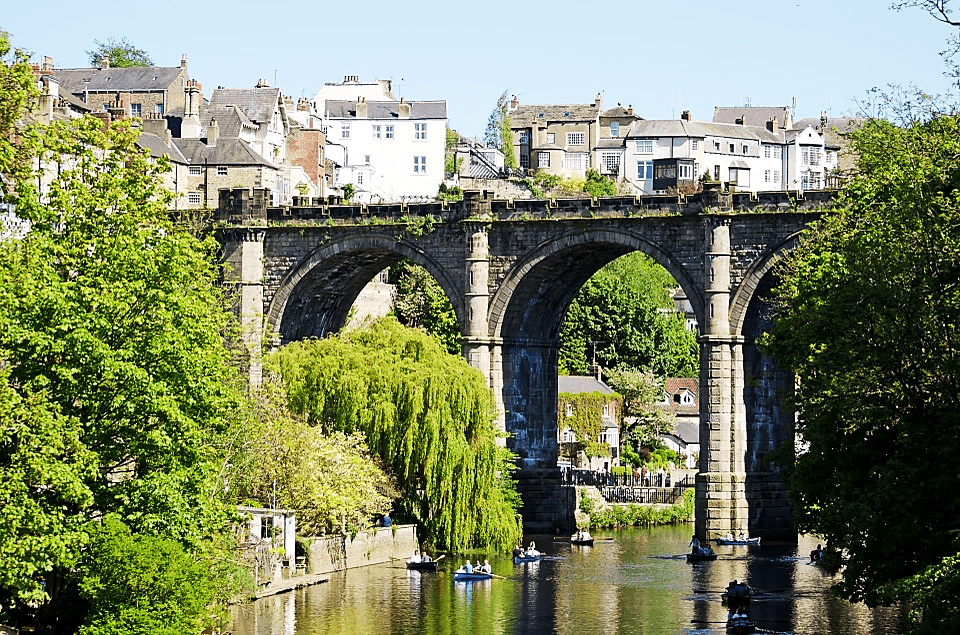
column 510, row 269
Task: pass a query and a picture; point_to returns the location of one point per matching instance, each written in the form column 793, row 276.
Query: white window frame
column 569, row 409
column 645, row 170
column 576, row 161
column 685, row 172
column 376, row 131
column 194, row 198
column 389, row 131
column 551, row 138
column 136, row 110
column 345, row 130
column 222, row 170
column 543, row 159
column 610, row 161
column 694, row 145
column 524, row 137
column 576, row 138
column 194, row 170
column 419, row 165
column 420, row 131
column 644, row 146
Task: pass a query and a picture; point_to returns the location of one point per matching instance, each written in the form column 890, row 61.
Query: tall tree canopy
column 425, row 413
column 498, row 133
column 420, row 302
column 116, row 379
column 620, row 308
column 118, row 53
column 870, row 323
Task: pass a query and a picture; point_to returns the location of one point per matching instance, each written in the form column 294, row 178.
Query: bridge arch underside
column 526, row 317
column 315, row 299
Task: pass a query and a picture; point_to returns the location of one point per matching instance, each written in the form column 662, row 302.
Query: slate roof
column 700, row 129
column 532, row 115
column 618, row 112
column 230, row 119
column 835, row 127
column 688, row 431
column 226, row 152
column 257, row 104
column 575, row 384
column 676, row 385
column 752, row 115
column 158, row 147
column 341, row 109
column 142, row 78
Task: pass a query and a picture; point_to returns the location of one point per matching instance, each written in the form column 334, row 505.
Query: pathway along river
column 632, row 581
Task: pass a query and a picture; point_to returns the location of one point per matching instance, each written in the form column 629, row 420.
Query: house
column 556, row 139
column 681, row 397
column 150, row 89
column 268, row 540
column 389, row 150
column 588, row 423
column 672, row 156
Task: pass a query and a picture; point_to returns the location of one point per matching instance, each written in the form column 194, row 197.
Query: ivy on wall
column 586, row 419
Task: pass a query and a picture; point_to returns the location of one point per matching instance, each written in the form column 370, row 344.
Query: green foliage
column 138, row 583
column 599, row 185
column 451, row 140
column 420, row 302
column 509, row 154
column 119, row 53
column 619, row 307
column 868, row 321
column 644, row 515
column 348, row 191
column 427, row 415
column 451, row 165
column 450, row 193
column 586, row 505
column 18, row 90
column 586, row 421
column 329, row 480
column 498, row 133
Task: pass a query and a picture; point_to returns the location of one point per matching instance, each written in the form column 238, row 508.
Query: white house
column 391, row 150
column 681, row 397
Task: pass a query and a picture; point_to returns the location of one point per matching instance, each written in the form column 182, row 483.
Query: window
column 359, row 178
column 543, row 159
column 376, row 132
column 576, row 161
column 524, row 160
column 419, row 165
column 776, row 152
column 344, row 131
column 366, row 159
column 716, row 146
column 389, row 132
column 745, row 148
column 645, row 170
column 716, row 173
column 809, row 155
column 551, row 137
column 644, row 146
column 831, row 157
column 420, row 131
column 569, row 436
column 136, row 109
column 569, row 409
column 740, row 176
column 665, row 171
column 776, row 176
column 733, row 148
column 614, row 128
column 686, row 171
column 606, row 410
column 193, row 198
column 610, row 162
column 194, row 170
column 575, row 138
column 524, row 137
column 694, row 144
column 221, row 170
column 603, row 437
column 766, row 152
column 158, row 108
column 766, row 176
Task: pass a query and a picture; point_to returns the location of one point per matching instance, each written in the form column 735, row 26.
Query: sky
column 660, row 57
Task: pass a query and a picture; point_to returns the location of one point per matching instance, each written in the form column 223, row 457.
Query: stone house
column 556, row 139
column 681, row 397
column 268, row 539
column 588, row 423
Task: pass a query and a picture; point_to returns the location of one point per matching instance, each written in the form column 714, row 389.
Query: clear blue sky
column 661, row 57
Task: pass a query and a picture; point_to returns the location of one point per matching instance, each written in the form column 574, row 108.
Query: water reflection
column 636, row 581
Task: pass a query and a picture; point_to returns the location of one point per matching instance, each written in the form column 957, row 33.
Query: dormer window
column 614, row 129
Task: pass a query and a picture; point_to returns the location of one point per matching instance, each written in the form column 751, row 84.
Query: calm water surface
column 633, row 581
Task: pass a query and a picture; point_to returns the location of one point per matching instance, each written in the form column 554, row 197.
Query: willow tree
column 428, row 416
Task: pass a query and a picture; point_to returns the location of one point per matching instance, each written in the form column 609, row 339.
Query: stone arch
column 315, row 296
column 576, row 258
column 747, row 289
column 525, row 318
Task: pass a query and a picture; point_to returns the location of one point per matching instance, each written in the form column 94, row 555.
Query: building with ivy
column 588, row 423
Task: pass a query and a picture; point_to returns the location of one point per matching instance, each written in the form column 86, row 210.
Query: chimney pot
column 685, row 115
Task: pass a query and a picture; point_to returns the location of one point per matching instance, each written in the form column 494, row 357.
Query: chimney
column 823, row 120
column 738, row 121
column 684, row 116
column 47, row 63
column 155, row 124
column 303, row 104
column 262, row 83
column 190, row 127
column 788, row 120
column 361, row 109
column 598, row 101
column 403, row 109
column 773, row 125
column 514, row 102
column 630, row 109
column 213, row 132
column 105, row 61
column 183, row 61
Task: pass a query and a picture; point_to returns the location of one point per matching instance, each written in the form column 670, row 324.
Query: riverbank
column 596, row 513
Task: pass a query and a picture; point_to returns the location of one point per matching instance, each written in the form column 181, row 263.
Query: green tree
column 17, row 90
column 644, row 422
column 868, row 321
column 112, row 329
column 498, row 133
column 118, row 53
column 621, row 309
column 598, row 185
column 329, row 480
column 426, row 414
column 420, row 302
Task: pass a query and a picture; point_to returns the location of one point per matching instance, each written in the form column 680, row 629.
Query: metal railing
column 631, row 488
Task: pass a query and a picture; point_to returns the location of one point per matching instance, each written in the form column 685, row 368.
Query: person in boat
column 425, row 557
column 585, row 535
column 518, row 551
column 415, row 558
column 729, row 535
column 742, row 536
column 485, row 567
column 695, row 545
column 816, row 554
column 532, row 550
column 467, row 567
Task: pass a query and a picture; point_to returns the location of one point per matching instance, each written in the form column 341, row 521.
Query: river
column 631, row 581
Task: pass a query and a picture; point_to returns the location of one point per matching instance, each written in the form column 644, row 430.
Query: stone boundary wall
column 377, row 545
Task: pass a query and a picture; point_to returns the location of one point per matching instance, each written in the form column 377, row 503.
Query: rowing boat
column 463, row 576
column 423, row 566
column 587, row 542
column 745, row 541
column 525, row 559
column 701, row 557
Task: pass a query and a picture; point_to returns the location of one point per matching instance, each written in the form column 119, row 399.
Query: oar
column 499, row 577
column 441, row 557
